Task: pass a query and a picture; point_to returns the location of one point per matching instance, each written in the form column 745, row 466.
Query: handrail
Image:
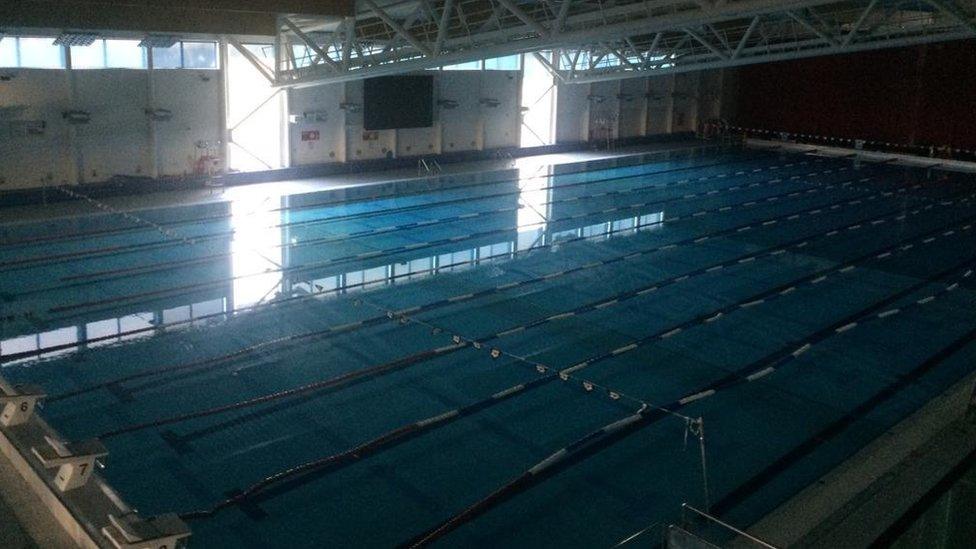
column 685, row 506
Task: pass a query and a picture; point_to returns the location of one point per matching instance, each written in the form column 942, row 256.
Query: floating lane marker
column 624, row 349
column 761, row 373
column 888, row 313
column 802, row 349
column 671, row 333
column 697, row 396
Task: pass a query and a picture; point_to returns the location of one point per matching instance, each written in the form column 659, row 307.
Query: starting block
column 130, row 531
column 74, row 460
column 18, row 402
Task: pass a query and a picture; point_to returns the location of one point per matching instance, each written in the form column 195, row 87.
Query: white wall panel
column 40, row 157
column 659, row 104
column 317, row 110
column 604, row 110
column 501, row 121
column 116, row 141
column 633, row 107
column 572, row 113
column 685, row 116
column 192, row 97
column 460, row 127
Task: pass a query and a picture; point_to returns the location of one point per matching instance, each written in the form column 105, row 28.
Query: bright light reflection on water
column 256, row 251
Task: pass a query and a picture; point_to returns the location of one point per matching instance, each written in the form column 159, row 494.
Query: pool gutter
column 868, row 156
column 859, row 500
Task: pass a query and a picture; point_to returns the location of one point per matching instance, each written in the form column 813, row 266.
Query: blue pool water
column 384, row 366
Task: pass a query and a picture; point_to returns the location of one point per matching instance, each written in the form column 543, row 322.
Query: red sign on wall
column 311, row 135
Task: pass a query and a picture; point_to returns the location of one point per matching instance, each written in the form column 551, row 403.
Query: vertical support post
column 73, row 138
column 223, row 101
column 150, row 121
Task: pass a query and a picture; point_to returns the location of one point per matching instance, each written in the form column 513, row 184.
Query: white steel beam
column 524, row 17
column 745, row 37
column 860, row 21
column 949, row 8
column 308, row 42
column 261, row 67
column 701, row 39
column 809, row 26
column 397, row 28
column 750, row 31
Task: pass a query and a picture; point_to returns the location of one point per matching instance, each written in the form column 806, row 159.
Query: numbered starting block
column 130, row 531
column 17, row 403
column 74, row 460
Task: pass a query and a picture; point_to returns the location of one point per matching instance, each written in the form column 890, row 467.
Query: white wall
column 471, row 125
column 636, row 107
column 118, row 140
column 121, row 140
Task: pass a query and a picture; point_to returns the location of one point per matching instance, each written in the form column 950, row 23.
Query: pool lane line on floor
column 835, row 428
column 608, row 435
column 340, row 203
column 760, row 297
column 401, row 434
column 152, row 268
column 155, row 245
column 565, row 374
column 155, row 294
column 254, row 309
column 462, row 341
column 365, row 233
column 598, row 304
column 336, row 330
column 172, row 264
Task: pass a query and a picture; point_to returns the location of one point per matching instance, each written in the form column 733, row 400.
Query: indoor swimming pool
column 555, row 356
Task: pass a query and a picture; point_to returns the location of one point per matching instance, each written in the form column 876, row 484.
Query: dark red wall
column 923, row 95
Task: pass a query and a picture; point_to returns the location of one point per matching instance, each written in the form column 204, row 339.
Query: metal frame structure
column 602, row 39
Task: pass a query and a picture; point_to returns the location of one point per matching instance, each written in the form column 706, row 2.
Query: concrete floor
column 24, row 522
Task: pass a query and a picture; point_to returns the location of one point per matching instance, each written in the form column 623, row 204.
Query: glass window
column 354, row 279
column 623, row 224
column 375, row 274
column 508, row 63
column 177, row 314
column 168, row 58
column 16, row 345
column 414, row 266
column 320, row 285
column 40, row 53
column 303, row 55
column 206, row 308
column 199, row 55
column 88, row 57
column 132, row 323
column 651, row 219
column 58, row 337
column 595, row 230
column 124, row 54
column 8, row 52
column 261, row 51
column 470, row 66
column 101, row 328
